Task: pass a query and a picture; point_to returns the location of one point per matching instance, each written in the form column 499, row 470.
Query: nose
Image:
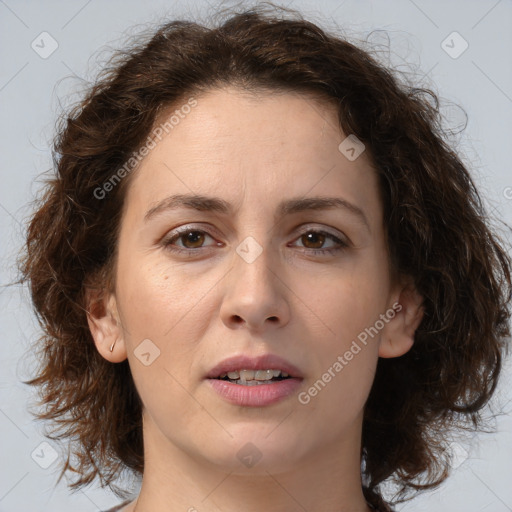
column 255, row 294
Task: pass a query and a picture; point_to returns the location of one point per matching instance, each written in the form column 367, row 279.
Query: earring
column 112, row 346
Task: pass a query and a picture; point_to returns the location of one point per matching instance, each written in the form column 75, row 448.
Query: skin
column 253, row 150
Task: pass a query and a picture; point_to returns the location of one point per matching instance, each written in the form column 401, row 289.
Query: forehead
column 256, row 148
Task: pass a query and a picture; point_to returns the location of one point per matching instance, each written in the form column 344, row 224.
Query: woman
column 266, row 281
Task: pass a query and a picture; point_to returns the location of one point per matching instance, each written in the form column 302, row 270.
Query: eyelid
column 308, row 227
column 181, row 230
column 339, row 238
column 208, row 229
column 304, row 228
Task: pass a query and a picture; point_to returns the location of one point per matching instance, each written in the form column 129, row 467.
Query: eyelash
column 177, row 234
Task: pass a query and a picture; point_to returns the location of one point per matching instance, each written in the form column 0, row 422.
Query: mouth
column 253, row 371
column 254, row 377
column 255, row 381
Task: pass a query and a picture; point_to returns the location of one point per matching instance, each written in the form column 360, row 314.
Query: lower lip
column 258, row 395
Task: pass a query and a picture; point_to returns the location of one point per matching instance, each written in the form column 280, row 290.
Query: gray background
column 33, row 90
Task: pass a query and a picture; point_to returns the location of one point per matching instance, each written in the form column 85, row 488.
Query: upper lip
column 244, row 362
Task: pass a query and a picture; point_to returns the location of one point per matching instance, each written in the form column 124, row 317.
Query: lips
column 263, row 362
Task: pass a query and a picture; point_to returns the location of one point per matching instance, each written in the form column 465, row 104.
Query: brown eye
column 313, row 242
column 313, row 237
column 192, row 240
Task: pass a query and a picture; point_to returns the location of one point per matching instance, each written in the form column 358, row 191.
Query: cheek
column 160, row 327
column 354, row 297
column 346, row 360
column 156, row 296
column 171, row 306
column 350, row 304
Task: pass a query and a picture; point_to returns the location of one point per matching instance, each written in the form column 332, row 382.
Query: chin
column 257, row 451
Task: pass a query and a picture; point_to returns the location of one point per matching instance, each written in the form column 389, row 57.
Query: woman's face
column 254, row 278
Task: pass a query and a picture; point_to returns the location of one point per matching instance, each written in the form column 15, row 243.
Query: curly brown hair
column 437, row 228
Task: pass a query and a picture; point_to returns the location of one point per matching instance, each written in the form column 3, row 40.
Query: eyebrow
column 290, row 206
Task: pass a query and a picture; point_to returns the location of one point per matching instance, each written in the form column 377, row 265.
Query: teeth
column 259, row 375
column 249, row 375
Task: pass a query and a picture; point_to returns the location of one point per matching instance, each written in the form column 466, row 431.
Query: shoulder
column 375, row 501
column 118, row 508
column 381, row 508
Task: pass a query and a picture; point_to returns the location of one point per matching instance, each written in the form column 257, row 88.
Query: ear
column 104, row 324
column 397, row 337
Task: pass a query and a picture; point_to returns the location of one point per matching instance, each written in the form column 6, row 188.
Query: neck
column 324, row 481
